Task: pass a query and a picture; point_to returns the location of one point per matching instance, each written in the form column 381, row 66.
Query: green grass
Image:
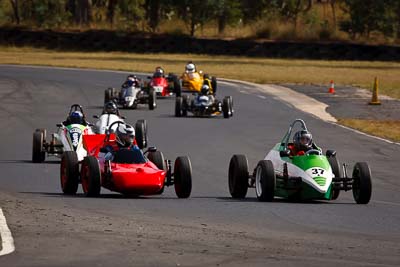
column 258, row 70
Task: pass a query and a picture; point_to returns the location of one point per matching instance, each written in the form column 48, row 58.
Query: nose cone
column 137, row 179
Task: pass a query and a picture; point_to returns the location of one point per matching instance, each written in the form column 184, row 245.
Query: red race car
column 164, row 85
column 128, row 171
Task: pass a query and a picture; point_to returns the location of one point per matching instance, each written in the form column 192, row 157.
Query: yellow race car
column 194, row 81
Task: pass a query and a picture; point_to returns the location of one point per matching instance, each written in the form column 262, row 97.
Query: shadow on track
column 12, row 161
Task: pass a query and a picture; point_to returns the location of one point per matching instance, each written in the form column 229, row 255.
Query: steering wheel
column 109, row 130
column 313, row 152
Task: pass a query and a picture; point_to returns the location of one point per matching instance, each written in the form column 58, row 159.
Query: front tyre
column 362, row 185
column 178, row 106
column 333, row 161
column 152, row 99
column 91, row 177
column 265, row 180
column 238, row 176
column 38, row 155
column 226, row 108
column 157, row 158
column 69, row 172
column 183, row 177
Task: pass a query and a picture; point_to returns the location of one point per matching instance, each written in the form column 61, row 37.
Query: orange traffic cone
column 375, row 99
column 332, row 88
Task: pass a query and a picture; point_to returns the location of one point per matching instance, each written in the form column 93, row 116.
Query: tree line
column 360, row 17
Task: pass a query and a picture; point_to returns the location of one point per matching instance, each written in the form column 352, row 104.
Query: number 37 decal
column 316, row 172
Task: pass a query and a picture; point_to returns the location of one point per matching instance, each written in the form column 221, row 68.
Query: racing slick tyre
column 69, row 172
column 230, row 104
column 107, row 95
column 333, row 161
column 185, row 105
column 183, row 177
column 38, row 155
column 141, row 133
column 114, row 93
column 90, row 177
column 177, row 86
column 214, row 84
column 362, row 186
column 152, row 99
column 265, row 180
column 238, row 176
column 178, row 106
column 157, row 158
column 226, row 108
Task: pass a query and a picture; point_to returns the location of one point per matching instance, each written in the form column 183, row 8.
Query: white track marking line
column 6, row 236
column 262, row 97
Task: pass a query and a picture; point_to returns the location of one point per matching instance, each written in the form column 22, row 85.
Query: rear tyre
column 178, row 106
column 177, row 86
column 333, row 161
column 265, row 180
column 230, row 105
column 183, row 177
column 38, row 155
column 238, row 176
column 214, row 84
column 108, row 95
column 226, row 108
column 69, row 172
column 141, row 133
column 91, row 177
column 157, row 158
column 362, row 185
column 152, row 99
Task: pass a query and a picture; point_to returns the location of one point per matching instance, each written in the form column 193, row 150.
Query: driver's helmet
column 110, row 108
column 205, row 89
column 302, row 140
column 132, row 80
column 75, row 117
column 159, row 71
column 125, row 135
column 190, row 68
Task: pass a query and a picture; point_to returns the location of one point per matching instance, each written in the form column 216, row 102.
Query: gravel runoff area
column 351, row 103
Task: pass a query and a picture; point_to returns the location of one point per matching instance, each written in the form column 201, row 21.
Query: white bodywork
column 307, row 176
column 73, row 138
column 129, row 95
column 104, row 121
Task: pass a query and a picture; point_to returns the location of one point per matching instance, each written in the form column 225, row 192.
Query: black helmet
column 76, row 117
column 302, row 140
column 110, row 108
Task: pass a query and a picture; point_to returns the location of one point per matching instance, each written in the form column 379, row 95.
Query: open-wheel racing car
column 110, row 115
column 192, row 80
column 302, row 176
column 127, row 171
column 163, row 85
column 67, row 138
column 203, row 105
column 132, row 94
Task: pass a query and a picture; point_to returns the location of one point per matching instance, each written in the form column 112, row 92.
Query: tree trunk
column 222, row 22
column 111, row 11
column 153, row 14
column 14, row 4
column 84, row 12
column 333, row 3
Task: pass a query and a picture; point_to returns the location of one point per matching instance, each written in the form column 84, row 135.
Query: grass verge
column 259, row 70
column 389, row 129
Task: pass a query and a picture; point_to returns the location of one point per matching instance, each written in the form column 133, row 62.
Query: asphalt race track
column 208, row 229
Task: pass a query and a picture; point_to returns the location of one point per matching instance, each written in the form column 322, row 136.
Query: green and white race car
column 311, row 176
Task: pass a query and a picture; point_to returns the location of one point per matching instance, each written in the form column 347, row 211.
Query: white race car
column 67, row 138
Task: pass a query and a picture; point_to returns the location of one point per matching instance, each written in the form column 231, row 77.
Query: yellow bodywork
column 194, row 81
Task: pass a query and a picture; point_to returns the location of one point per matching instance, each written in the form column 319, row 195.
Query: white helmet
column 125, row 135
column 190, row 67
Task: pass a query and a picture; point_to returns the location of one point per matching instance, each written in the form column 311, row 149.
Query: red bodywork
column 138, row 179
column 160, row 82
